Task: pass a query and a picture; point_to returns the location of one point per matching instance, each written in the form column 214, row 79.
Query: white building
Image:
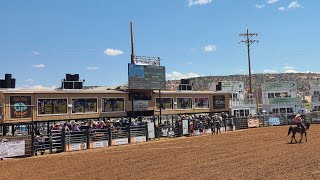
column 315, row 95
column 281, row 97
column 240, row 104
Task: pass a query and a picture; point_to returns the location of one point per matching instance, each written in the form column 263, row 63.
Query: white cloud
column 29, row 80
column 281, row 8
column 210, row 48
column 92, row 68
column 36, row 53
column 294, row 5
column 113, row 52
column 39, row 66
column 272, row 1
column 189, row 63
column 270, row 71
column 291, row 71
column 177, row 75
column 198, row 2
column 288, row 67
column 260, row 6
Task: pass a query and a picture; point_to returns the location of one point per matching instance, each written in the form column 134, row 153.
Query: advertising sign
column 219, row 102
column 84, row 105
column 52, row 106
column 185, row 127
column 138, row 139
column 20, row 106
column 12, row 148
column 167, row 103
column 285, row 100
column 120, row 141
column 201, row 103
column 148, row 61
column 151, row 134
column 274, row 121
column 112, row 104
column 99, row 144
column 270, row 86
column 232, row 86
column 184, row 103
column 146, row 77
column 253, row 122
column 76, row 146
column 140, row 105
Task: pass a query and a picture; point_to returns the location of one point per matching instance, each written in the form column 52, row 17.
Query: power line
column 248, row 41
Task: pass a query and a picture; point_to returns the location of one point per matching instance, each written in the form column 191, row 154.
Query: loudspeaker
column 13, row 83
column 2, row 83
column 8, row 83
column 78, row 85
column 182, row 87
column 7, row 76
column 67, row 85
column 68, row 77
column 76, row 77
column 184, row 81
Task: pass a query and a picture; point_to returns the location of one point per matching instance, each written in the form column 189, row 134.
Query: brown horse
column 296, row 129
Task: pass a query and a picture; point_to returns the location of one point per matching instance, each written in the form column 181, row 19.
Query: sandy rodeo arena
column 261, row 153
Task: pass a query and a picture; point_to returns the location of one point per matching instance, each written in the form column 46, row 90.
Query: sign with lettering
column 140, row 105
column 12, row 149
column 272, row 86
column 20, row 106
column 146, row 77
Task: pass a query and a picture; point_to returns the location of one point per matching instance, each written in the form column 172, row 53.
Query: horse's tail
column 289, row 131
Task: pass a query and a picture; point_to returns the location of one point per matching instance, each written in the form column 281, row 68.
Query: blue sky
column 40, row 40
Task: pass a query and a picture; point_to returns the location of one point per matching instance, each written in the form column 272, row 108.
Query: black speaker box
column 68, row 77
column 3, row 83
column 7, row 76
column 78, row 85
column 13, row 83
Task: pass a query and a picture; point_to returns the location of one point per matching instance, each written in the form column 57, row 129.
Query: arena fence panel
column 119, row 135
column 99, row 138
column 138, row 133
column 76, row 140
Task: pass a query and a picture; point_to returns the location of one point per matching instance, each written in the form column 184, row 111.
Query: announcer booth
column 281, row 97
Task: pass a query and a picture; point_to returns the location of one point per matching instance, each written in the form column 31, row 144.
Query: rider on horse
column 299, row 122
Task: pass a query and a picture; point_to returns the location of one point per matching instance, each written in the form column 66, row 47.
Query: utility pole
column 248, row 41
column 132, row 62
column 132, row 48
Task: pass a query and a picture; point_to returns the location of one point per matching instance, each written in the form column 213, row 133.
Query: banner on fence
column 99, row 144
column 151, row 130
column 253, row 122
column 138, row 139
column 120, row 141
column 76, row 146
column 12, row 148
column 185, row 127
column 274, row 121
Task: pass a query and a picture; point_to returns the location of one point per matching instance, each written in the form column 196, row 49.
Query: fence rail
column 60, row 141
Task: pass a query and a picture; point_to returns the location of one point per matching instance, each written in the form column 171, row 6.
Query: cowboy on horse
column 299, row 122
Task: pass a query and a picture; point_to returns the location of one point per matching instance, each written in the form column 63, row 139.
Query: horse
column 296, row 129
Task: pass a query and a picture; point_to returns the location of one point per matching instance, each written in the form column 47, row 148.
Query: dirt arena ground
column 262, row 153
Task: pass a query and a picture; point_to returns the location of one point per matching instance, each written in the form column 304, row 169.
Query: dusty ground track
column 261, row 153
